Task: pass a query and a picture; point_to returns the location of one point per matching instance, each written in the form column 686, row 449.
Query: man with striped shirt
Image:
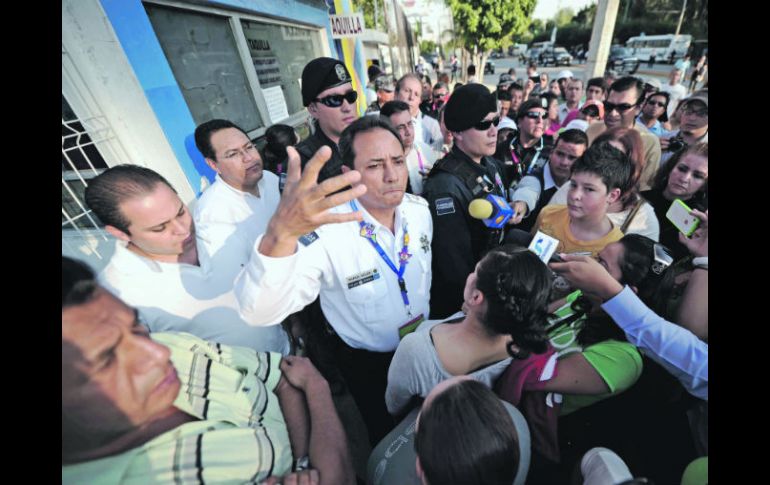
column 175, row 408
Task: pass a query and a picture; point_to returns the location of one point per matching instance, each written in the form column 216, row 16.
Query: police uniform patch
column 341, row 73
column 445, row 205
column 309, row 238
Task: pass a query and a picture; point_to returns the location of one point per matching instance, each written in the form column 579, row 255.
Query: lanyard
column 419, row 158
column 519, row 166
column 367, row 232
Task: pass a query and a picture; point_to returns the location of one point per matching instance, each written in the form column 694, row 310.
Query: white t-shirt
column 420, row 157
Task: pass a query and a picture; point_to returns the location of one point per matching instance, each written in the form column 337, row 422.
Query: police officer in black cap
column 327, row 92
column 529, row 148
column 467, row 172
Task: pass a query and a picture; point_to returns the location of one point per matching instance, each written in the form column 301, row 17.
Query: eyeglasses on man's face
column 335, row 100
column 484, row 125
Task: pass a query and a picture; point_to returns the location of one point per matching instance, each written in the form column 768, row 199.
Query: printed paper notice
column 276, row 103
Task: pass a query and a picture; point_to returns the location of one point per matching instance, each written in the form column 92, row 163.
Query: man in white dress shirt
column 373, row 276
column 243, row 194
column 181, row 276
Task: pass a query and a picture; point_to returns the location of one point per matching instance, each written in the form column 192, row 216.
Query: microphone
column 493, row 210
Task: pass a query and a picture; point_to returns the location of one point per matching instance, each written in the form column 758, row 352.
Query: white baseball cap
column 564, row 73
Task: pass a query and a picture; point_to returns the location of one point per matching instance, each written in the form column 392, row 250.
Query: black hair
column 515, row 86
column 440, row 85
column 362, row 125
column 117, row 184
column 629, row 82
column 574, row 136
column 205, row 131
column 457, row 85
column 653, row 289
column 503, row 95
column 599, row 82
column 77, row 282
column 466, row 436
column 277, row 138
column 517, row 287
column 663, row 117
column 549, row 97
column 392, row 107
column 606, row 162
column 472, row 70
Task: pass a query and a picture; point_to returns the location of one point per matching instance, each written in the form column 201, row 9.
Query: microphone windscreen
column 480, row 209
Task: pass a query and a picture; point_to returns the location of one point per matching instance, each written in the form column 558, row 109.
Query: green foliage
column 367, row 6
column 427, row 46
column 564, row 16
column 490, row 24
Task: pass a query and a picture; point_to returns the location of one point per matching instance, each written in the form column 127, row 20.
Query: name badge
column 362, row 278
column 410, row 326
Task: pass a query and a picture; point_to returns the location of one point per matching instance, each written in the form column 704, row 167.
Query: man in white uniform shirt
column 419, row 156
column 243, row 194
column 181, row 276
column 373, row 276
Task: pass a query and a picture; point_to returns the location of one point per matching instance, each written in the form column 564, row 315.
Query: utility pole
column 681, row 17
column 601, row 36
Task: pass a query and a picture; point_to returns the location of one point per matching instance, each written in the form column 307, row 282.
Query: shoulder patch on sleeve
column 445, row 205
column 309, row 238
column 416, row 199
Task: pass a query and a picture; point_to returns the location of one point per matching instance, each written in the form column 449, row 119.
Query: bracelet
column 701, row 262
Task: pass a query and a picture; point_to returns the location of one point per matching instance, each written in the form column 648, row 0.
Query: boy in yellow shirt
column 596, row 181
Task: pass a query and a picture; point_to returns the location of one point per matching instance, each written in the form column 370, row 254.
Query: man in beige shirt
column 621, row 109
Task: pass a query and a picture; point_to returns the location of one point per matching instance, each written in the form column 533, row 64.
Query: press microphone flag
column 493, row 210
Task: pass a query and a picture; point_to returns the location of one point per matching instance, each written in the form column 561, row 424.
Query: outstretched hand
column 588, row 275
column 698, row 243
column 305, row 203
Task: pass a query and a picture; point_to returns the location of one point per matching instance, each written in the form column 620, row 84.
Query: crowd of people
column 220, row 340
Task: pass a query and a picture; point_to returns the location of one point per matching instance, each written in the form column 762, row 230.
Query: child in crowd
column 596, row 182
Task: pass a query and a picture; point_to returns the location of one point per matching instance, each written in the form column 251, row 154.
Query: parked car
column 556, row 57
column 621, row 60
column 489, row 67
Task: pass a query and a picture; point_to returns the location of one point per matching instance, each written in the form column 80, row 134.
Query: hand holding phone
column 680, row 216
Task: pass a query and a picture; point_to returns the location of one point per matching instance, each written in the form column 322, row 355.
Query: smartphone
column 680, row 217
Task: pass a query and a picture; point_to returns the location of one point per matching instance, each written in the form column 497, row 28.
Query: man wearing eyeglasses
column 419, row 156
column 624, row 102
column 467, row 172
column 654, row 113
column 243, row 193
column 693, row 125
column 529, row 147
column 328, row 94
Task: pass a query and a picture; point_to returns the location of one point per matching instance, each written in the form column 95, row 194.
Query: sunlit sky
column 546, row 9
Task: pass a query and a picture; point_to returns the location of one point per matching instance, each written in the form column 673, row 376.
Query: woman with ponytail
column 504, row 317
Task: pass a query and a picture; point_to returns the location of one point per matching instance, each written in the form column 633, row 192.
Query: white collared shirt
column 548, row 180
column 419, row 151
column 360, row 295
column 178, row 297
column 226, row 204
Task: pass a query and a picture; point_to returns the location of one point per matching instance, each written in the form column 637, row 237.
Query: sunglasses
column 335, row 100
column 657, row 103
column 591, row 111
column 623, row 107
column 536, row 115
column 484, row 125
